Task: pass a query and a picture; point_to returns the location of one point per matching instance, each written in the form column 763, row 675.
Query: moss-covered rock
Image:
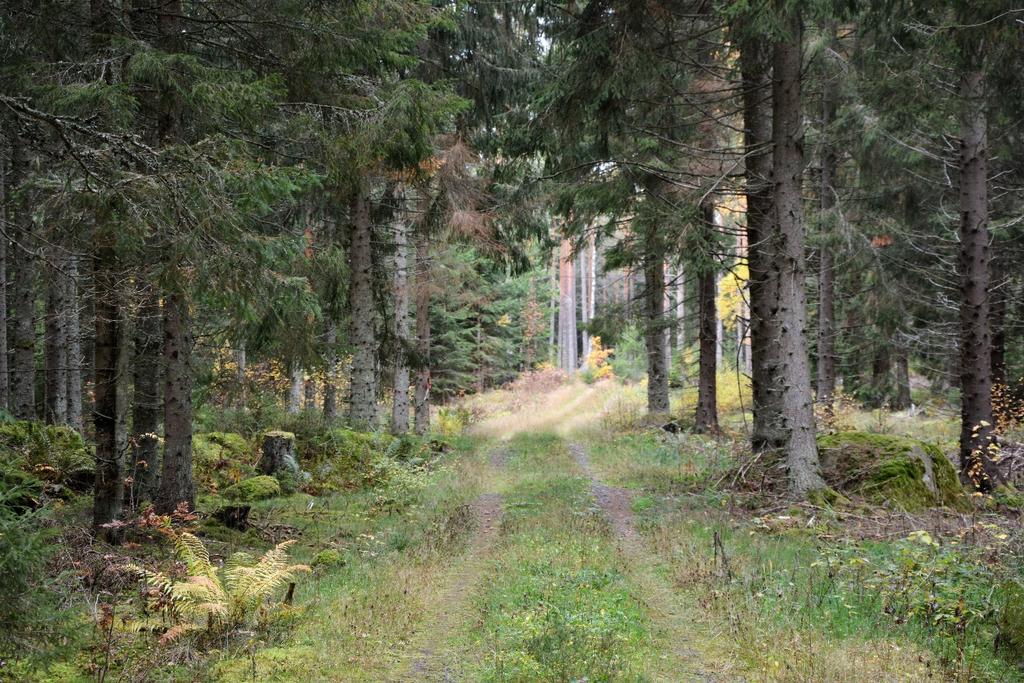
column 891, row 470
column 54, row 454
column 344, row 458
column 221, row 459
column 253, row 489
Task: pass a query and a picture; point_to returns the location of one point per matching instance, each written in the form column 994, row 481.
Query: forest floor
column 556, row 546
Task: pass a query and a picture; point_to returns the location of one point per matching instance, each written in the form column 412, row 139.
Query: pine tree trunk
column 5, row 177
column 241, row 388
column 73, row 332
column 757, row 139
column 109, row 391
column 363, row 376
column 880, row 371
column 902, row 398
column 23, row 376
column 400, row 379
column 330, row 369
column 176, row 484
column 422, row 270
column 977, row 439
column 654, row 333
column 553, row 323
column 826, row 278
column 55, row 362
column 999, row 298
column 146, row 399
column 309, row 394
column 296, row 384
column 788, row 263
column 706, row 417
column 568, row 352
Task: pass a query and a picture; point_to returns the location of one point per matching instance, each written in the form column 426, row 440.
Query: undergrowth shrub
column 214, row 602
column 53, row 453
column 26, row 545
column 452, row 421
column 630, row 359
column 950, row 589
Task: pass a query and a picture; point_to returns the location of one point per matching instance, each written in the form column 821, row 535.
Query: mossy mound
column 1011, row 622
column 342, row 459
column 55, row 454
column 890, row 470
column 252, row 489
column 328, row 558
column 220, row 459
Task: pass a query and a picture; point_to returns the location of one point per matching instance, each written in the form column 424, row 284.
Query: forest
column 511, row 340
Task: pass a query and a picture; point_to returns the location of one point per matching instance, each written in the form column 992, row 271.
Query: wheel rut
column 661, row 601
column 431, row 661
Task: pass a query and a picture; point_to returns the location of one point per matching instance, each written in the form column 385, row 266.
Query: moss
column 826, row 497
column 344, row 458
column 284, row 664
column 330, row 557
column 53, row 453
column 220, row 459
column 1011, row 622
column 253, row 489
column 891, row 470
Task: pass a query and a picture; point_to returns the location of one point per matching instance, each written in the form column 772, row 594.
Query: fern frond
column 192, row 551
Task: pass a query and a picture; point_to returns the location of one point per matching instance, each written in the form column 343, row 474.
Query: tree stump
column 278, row 454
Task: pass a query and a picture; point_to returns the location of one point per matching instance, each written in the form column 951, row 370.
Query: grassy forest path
column 556, row 583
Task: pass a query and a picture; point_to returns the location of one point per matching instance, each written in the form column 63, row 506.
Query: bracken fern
column 212, row 600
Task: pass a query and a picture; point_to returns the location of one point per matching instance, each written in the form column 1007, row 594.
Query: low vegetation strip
column 435, row 661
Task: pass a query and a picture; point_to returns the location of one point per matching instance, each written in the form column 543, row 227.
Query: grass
column 785, row 611
column 559, row 606
column 358, row 615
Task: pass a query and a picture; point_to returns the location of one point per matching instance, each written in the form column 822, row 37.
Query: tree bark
column 422, row 269
column 74, row 345
column 654, row 335
column 296, row 384
column 977, row 438
column 330, row 369
column 5, row 177
column 176, row 483
column 400, row 379
column 706, row 417
column 363, row 376
column 146, row 399
column 241, row 388
column 755, row 67
column 23, row 377
column 788, row 264
column 826, row 277
column 901, row 401
column 568, row 352
column 110, row 394
column 309, row 394
column 998, row 304
column 55, row 361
